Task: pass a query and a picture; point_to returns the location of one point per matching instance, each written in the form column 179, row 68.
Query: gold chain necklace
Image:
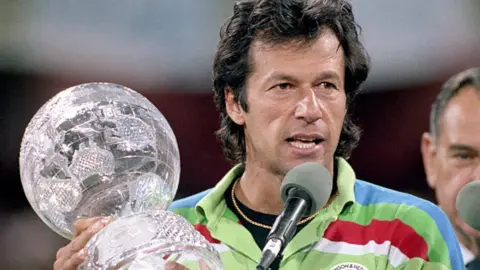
column 263, row 225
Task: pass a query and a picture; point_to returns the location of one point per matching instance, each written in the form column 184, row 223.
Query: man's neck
column 469, row 243
column 259, row 190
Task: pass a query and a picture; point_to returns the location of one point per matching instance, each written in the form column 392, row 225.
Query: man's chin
column 286, row 166
column 293, row 163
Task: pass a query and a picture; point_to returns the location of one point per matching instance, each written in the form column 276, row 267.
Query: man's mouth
column 305, row 141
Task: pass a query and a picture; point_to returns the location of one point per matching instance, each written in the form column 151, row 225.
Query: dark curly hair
column 283, row 21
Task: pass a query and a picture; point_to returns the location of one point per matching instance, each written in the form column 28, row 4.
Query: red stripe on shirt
column 206, row 233
column 402, row 236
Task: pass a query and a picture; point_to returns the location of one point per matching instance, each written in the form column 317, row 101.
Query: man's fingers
column 57, row 265
column 80, row 241
column 74, row 261
column 203, row 265
column 60, row 253
column 174, row 266
column 83, row 224
column 73, row 254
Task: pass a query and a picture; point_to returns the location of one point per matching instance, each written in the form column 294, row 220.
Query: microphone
column 304, row 190
column 467, row 203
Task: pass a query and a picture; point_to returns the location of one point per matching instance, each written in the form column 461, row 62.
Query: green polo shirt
column 365, row 227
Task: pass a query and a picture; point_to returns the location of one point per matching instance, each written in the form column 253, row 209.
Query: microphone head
column 312, row 178
column 468, row 201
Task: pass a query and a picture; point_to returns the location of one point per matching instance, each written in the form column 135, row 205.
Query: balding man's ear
column 429, row 152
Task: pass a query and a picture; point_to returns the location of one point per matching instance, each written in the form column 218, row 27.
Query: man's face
column 296, row 103
column 453, row 160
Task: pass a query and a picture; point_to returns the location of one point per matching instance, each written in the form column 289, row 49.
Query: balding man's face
column 453, row 159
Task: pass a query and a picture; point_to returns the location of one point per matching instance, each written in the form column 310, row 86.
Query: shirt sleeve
column 442, row 250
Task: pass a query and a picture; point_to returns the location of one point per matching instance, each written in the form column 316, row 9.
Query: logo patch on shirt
column 349, row 266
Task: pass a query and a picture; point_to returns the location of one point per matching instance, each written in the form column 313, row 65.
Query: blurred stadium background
column 164, row 50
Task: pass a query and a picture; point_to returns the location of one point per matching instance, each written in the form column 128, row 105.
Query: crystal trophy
column 102, row 149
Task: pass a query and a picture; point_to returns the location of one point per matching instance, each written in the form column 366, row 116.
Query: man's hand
column 72, row 255
column 174, row 266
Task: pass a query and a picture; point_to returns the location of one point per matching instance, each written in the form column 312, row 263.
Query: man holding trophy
column 285, row 74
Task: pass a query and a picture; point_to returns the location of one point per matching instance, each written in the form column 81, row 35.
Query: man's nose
column 308, row 108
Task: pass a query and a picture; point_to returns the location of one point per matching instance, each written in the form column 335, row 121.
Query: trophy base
column 147, row 241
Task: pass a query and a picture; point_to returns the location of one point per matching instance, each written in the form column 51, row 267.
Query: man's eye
column 284, row 86
column 464, row 156
column 328, row 85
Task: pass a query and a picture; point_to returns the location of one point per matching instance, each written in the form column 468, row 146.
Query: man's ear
column 233, row 107
column 429, row 158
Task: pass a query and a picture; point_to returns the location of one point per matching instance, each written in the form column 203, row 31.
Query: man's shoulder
column 186, row 206
column 190, row 201
column 413, row 225
column 372, row 196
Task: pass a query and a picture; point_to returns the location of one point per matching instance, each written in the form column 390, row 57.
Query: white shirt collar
column 466, row 254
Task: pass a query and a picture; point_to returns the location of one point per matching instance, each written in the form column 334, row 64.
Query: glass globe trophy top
column 101, row 149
